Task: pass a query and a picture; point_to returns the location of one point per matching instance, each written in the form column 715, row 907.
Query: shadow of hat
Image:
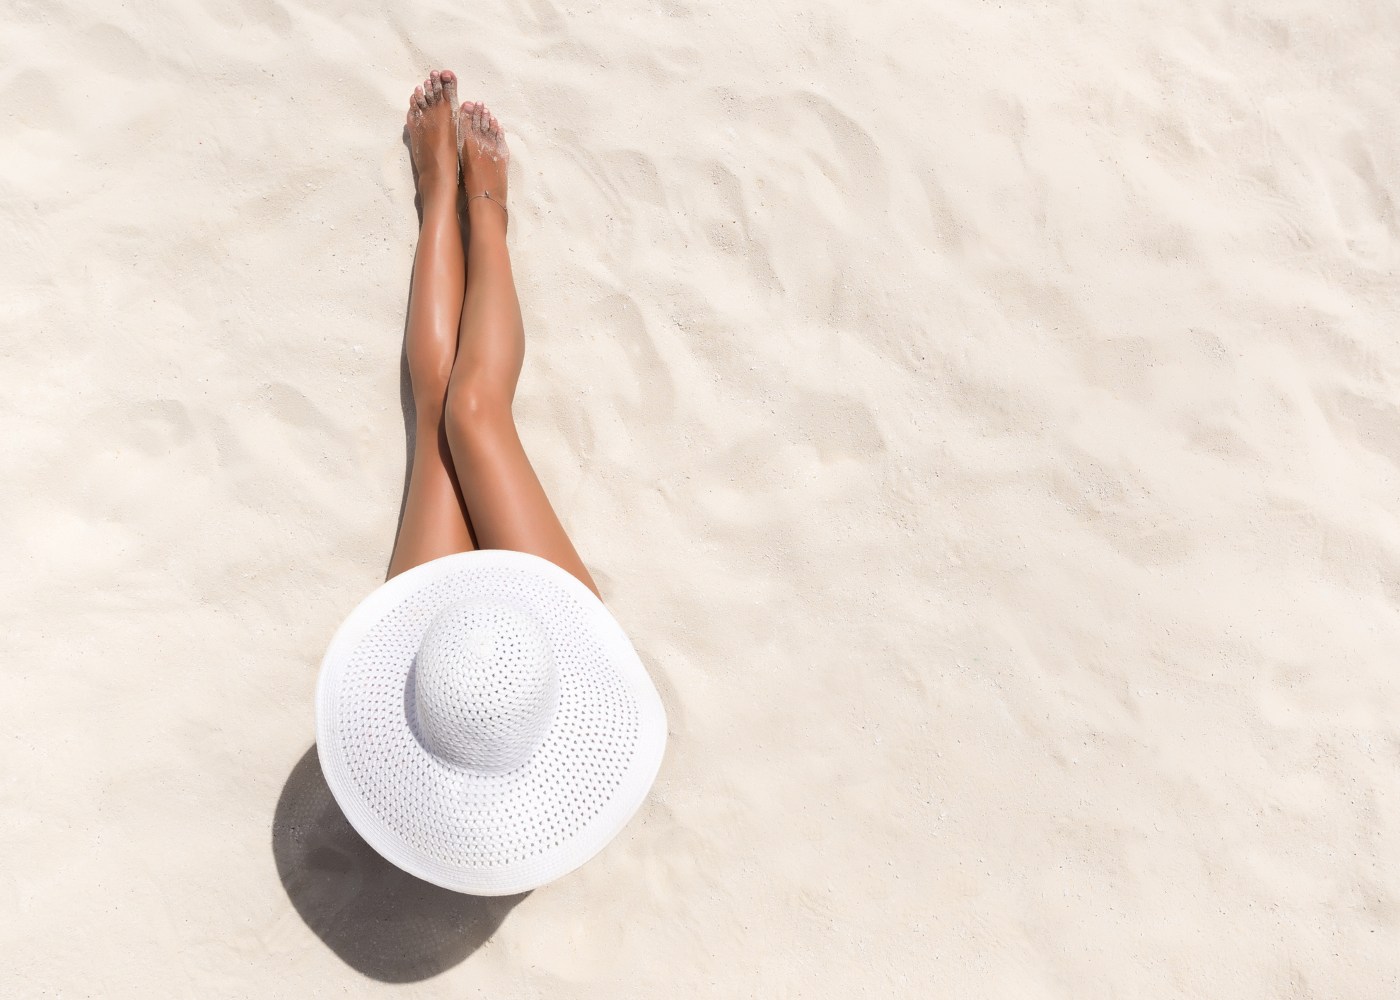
column 380, row 920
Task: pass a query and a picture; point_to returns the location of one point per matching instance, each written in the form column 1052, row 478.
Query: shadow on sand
column 382, row 921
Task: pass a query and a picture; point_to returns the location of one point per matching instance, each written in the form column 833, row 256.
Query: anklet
column 487, row 196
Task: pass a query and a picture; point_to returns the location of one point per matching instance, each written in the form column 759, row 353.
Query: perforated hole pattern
column 484, row 685
column 473, row 819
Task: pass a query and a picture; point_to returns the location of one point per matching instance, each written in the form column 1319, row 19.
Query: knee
column 474, row 406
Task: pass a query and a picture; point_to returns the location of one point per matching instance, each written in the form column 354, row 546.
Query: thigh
column 434, row 521
column 505, row 500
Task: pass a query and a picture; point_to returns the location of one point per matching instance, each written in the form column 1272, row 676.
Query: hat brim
column 487, row 834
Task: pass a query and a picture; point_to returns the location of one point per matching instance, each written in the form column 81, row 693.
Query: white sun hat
column 485, row 724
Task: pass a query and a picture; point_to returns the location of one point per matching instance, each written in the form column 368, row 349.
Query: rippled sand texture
column 983, row 418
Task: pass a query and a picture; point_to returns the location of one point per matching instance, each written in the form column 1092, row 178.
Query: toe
column 435, row 80
column 419, row 100
column 449, row 86
column 479, row 119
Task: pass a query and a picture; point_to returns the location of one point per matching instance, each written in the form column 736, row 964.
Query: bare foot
column 485, row 159
column 432, row 130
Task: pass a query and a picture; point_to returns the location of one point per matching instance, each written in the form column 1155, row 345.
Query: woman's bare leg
column 434, row 515
column 509, row 509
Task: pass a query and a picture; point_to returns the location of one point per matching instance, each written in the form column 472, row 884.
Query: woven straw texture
column 485, row 723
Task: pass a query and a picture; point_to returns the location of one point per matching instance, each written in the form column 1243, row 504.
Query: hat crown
column 485, row 685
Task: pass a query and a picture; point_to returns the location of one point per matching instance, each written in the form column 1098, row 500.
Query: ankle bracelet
column 487, row 195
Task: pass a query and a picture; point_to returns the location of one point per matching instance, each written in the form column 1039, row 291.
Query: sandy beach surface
column 984, row 419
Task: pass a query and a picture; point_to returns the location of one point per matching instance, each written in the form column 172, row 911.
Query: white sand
column 984, row 422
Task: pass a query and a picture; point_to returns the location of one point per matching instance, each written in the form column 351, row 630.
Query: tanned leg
column 434, row 516
column 509, row 509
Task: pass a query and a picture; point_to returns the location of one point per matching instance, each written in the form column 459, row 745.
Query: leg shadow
column 380, row 920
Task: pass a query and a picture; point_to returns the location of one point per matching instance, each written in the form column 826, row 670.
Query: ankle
column 437, row 185
column 489, row 213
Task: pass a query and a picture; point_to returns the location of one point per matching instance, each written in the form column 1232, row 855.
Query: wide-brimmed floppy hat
column 485, row 723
